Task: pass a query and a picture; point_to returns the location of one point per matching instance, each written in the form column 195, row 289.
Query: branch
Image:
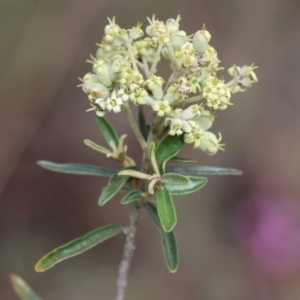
column 129, row 248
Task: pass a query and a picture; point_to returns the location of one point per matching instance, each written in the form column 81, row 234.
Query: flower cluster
column 124, row 70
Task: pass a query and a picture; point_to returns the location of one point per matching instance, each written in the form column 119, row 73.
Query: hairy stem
column 131, row 55
column 131, row 229
column 156, row 58
column 129, row 248
column 146, row 67
column 134, row 126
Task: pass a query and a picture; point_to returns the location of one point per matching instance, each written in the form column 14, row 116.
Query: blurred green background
column 44, row 45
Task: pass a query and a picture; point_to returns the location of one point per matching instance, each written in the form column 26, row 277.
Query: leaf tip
column 13, row 278
column 173, row 270
column 169, row 229
column 38, row 267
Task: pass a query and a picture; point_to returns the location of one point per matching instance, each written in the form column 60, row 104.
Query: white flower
column 123, row 95
column 195, row 136
column 210, row 143
column 113, row 103
column 162, row 107
column 204, row 122
column 190, row 112
column 138, row 95
column 175, row 127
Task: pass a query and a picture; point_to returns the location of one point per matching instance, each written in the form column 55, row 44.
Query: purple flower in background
column 269, row 228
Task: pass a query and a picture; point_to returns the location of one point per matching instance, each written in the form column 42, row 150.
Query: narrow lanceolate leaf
column 132, row 197
column 168, row 240
column 96, row 147
column 116, row 177
column 152, row 156
column 166, row 209
column 142, row 124
column 135, row 174
column 168, row 148
column 77, row 246
column 110, row 190
column 22, row 289
column 125, row 189
column 78, row 169
column 203, row 170
column 175, row 179
column 195, row 184
column 182, row 160
column 108, row 132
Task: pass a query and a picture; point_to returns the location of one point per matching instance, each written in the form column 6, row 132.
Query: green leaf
column 166, row 209
column 116, row 177
column 125, row 189
column 203, row 170
column 168, row 240
column 96, row 147
column 77, row 246
column 195, row 184
column 132, row 197
column 108, row 132
column 168, row 148
column 175, row 179
column 74, row 168
column 22, row 289
column 110, row 190
column 152, row 156
column 142, row 124
column 182, row 160
column 135, row 174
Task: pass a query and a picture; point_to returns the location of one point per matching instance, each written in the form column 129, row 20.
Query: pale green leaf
column 116, row 177
column 135, row 174
column 96, row 147
column 22, row 289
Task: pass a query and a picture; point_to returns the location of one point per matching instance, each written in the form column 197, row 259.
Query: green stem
column 177, row 68
column 131, row 229
column 146, row 67
column 134, row 126
column 156, row 58
column 129, row 48
column 187, row 101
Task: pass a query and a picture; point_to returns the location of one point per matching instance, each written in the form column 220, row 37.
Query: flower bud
column 157, row 92
column 190, row 112
column 201, row 40
column 136, row 32
column 173, row 25
column 178, row 39
column 116, row 67
column 210, row 143
column 204, row 122
column 102, row 69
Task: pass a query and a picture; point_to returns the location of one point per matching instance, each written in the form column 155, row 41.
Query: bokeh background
column 239, row 237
